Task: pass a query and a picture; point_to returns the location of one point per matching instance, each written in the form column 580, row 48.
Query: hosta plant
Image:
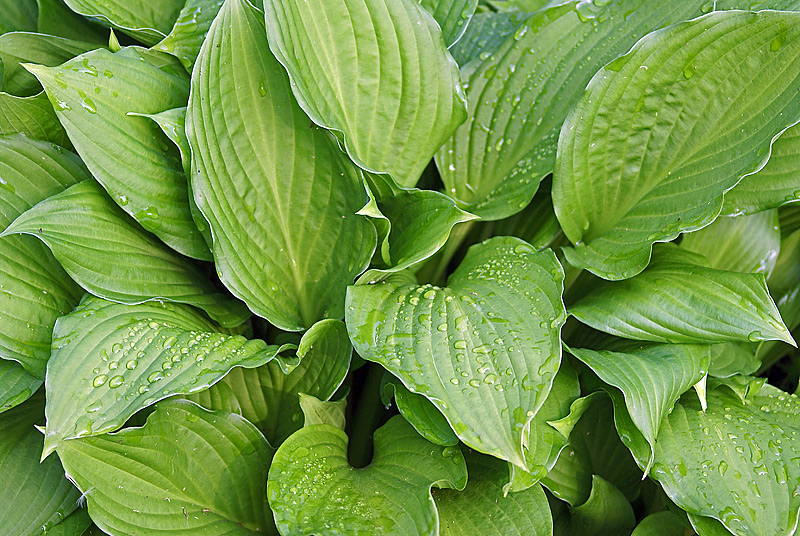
column 399, row 267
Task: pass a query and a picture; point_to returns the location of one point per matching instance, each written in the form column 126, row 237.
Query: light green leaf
column 279, row 196
column 110, row 360
column 16, row 385
column 316, row 411
column 453, row 16
column 743, row 244
column 144, row 20
column 776, row 184
column 268, row 397
column 720, row 462
column 707, row 526
column 536, row 224
column 25, row 47
column 188, row 471
column 678, row 300
column 493, row 332
column 37, row 495
column 606, row 513
column 660, row 524
column 189, row 31
column 482, row 507
column 786, row 273
column 113, row 258
column 521, row 5
column 730, row 358
column 32, row 116
column 93, row 95
column 637, row 165
column 651, row 377
column 419, row 412
column 18, row 15
column 486, row 32
column 313, row 489
column 34, row 290
column 348, row 76
column 55, row 18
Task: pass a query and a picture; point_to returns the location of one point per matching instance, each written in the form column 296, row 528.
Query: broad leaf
column 113, row 258
column 660, row 524
column 18, row 15
column 721, row 462
column 368, row 50
column 110, row 360
column 55, row 18
column 188, row 471
column 570, row 479
column 453, row 16
column 32, row 116
column 189, row 31
column 37, row 495
column 483, row 508
column 146, row 21
column 93, row 95
column 279, row 196
column 34, row 290
column 268, row 397
column 419, row 412
column 484, row 349
column 679, row 300
column 78, row 523
column 743, row 244
column 732, row 358
column 16, row 385
column 486, row 32
column 606, row 513
column 637, row 164
column 313, row 489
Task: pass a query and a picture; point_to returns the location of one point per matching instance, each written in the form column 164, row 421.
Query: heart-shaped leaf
column 369, row 50
column 679, row 300
column 113, row 258
column 110, row 360
column 94, row 95
column 484, row 349
column 16, row 385
column 33, row 116
column 279, row 196
column 453, row 16
column 313, row 489
column 665, row 130
column 141, row 19
column 188, row 471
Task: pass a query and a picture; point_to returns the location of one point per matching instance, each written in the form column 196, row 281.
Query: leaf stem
column 365, row 420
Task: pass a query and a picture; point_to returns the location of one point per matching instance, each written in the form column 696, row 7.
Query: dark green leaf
column 420, row 413
column 55, row 18
column 606, row 513
column 18, row 16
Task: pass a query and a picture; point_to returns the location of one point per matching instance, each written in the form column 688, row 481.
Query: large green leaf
column 16, row 385
column 32, row 116
column 22, row 47
column 313, row 489
column 188, row 471
column 18, row 15
column 744, row 244
column 94, row 95
column 680, row 300
column 55, row 18
column 37, row 495
column 377, row 72
column 651, row 377
column 190, row 29
column 34, row 290
column 279, row 196
column 268, row 397
column 662, row 132
column 482, row 507
column 484, row 349
column 778, row 183
column 110, row 360
column 113, row 258
column 735, row 462
column 144, row 20
column 453, row 16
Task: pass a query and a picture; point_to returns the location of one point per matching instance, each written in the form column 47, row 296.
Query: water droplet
column 100, row 380
column 116, row 381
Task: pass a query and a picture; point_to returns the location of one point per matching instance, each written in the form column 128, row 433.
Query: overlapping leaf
column 18, row 15
column 113, row 258
column 419, row 412
column 453, row 16
column 279, row 196
column 662, row 132
column 94, row 95
column 188, row 471
column 377, row 72
column 486, row 32
column 16, row 385
column 146, row 21
column 484, row 349
column 190, row 29
column 33, row 116
column 55, row 18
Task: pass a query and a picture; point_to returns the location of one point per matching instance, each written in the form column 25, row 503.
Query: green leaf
column 144, row 20
column 93, row 95
column 419, row 412
column 268, row 397
column 190, row 29
column 486, row 32
column 493, row 331
column 75, row 524
column 113, row 258
column 720, row 462
column 678, row 300
column 21, row 47
column 34, row 290
column 368, row 50
column 536, row 224
column 37, row 495
column 743, row 244
column 453, row 16
column 32, row 116
column 55, row 18
column 570, row 479
column 786, row 273
column 637, row 164
column 188, row 471
column 660, row 524
column 316, row 411
column 313, row 489
column 606, row 513
column 651, row 377
column 729, row 358
column 482, row 507
column 110, row 360
column 18, row 15
column 776, row 184
column 16, row 385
